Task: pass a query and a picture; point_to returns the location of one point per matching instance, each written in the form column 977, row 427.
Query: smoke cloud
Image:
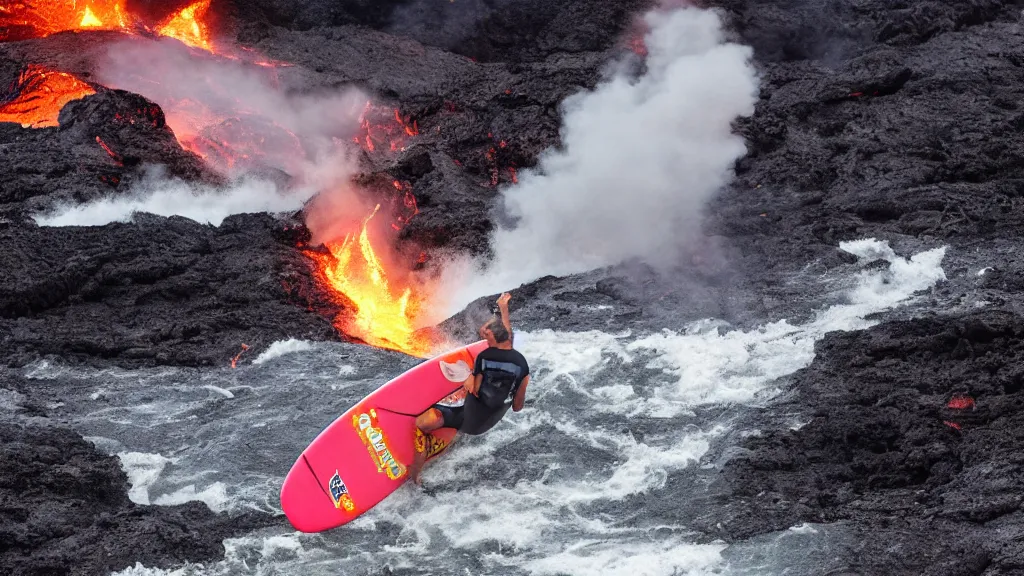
column 246, row 123
column 209, row 99
column 640, row 158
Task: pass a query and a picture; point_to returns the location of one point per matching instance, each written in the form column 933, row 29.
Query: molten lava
column 383, row 311
column 23, row 20
column 36, row 99
column 960, row 402
column 187, row 25
column 38, row 19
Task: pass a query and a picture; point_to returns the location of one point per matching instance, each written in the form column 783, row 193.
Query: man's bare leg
column 426, row 423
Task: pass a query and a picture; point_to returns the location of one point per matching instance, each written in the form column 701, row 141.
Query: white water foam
column 140, row 570
column 10, row 400
column 143, row 470
column 712, row 366
column 282, row 347
column 671, row 556
column 215, row 496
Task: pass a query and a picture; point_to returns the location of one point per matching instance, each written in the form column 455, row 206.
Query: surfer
column 498, row 382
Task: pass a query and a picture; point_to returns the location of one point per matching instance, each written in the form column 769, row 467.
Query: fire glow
column 37, row 97
column 22, row 21
column 384, row 308
column 381, row 298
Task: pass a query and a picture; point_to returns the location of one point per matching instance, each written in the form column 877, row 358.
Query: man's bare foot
column 415, row 474
column 416, row 468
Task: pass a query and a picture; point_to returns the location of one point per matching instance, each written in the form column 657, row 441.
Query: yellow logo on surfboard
column 436, row 444
column 377, row 445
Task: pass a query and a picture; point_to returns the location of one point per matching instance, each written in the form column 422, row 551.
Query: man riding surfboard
column 498, row 382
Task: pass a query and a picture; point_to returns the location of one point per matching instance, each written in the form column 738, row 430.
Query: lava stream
column 383, row 312
column 38, row 96
column 188, row 26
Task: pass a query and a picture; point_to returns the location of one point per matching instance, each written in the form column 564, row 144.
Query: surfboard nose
column 305, row 502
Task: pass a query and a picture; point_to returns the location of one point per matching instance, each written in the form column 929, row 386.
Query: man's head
column 494, row 332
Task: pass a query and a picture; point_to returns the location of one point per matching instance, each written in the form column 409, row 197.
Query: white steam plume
column 172, row 197
column 640, row 158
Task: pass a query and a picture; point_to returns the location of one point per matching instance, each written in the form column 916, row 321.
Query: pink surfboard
column 364, row 455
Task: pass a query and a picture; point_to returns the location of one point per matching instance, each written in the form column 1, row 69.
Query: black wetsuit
column 503, row 372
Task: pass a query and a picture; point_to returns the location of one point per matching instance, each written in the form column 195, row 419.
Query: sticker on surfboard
column 377, row 444
column 339, row 493
column 437, row 444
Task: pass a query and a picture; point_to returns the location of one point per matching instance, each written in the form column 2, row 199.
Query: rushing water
column 584, row 481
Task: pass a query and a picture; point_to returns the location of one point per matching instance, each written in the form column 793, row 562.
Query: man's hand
column 503, row 308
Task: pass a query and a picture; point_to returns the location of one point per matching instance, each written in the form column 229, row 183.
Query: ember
column 384, row 309
column 111, row 153
column 960, row 402
column 383, row 128
column 36, row 99
column 234, row 361
column 408, row 207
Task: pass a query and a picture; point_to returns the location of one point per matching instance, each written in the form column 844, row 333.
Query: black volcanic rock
column 100, row 148
column 920, row 419
column 486, row 30
column 157, row 290
column 904, row 134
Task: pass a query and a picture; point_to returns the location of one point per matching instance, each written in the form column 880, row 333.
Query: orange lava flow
column 45, row 17
column 384, row 312
column 35, row 19
column 187, row 26
column 39, row 96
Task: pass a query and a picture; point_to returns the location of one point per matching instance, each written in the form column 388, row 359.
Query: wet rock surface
column 876, row 119
column 911, row 428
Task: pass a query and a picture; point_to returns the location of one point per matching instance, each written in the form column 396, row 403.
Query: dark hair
column 497, row 327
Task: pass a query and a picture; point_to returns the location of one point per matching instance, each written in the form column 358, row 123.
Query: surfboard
column 364, row 455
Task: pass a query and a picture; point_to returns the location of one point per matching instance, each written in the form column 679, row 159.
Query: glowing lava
column 187, row 25
column 36, row 99
column 383, row 312
column 23, row 20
